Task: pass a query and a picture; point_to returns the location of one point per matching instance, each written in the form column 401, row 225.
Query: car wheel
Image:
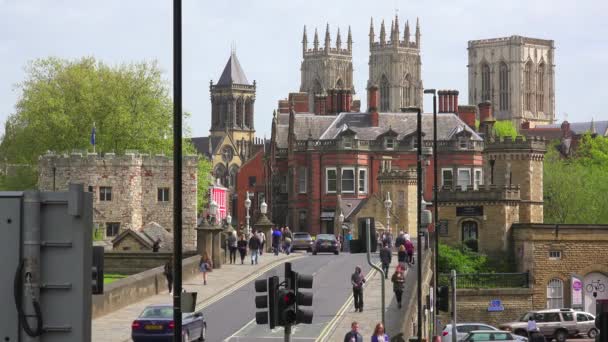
column 203, row 333
column 561, row 336
column 592, row 333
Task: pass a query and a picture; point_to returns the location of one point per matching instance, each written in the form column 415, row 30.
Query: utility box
column 46, row 251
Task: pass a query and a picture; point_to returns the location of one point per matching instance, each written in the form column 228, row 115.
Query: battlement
column 532, row 144
column 515, row 39
column 396, row 174
column 485, row 193
column 129, row 158
column 330, row 51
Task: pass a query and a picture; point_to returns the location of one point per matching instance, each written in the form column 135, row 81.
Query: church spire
column 327, row 39
column 315, row 43
column 392, row 30
column 417, row 33
column 372, row 35
column 338, row 40
column 406, row 35
column 349, row 40
column 397, row 27
column 304, row 41
column 382, row 34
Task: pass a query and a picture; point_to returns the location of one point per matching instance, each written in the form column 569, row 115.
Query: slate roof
column 601, row 127
column 201, row 144
column 305, row 124
column 233, row 73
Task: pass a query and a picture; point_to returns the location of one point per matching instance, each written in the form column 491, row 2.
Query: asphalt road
column 232, row 318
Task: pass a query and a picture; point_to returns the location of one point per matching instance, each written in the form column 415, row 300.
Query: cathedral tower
column 327, row 72
column 395, row 67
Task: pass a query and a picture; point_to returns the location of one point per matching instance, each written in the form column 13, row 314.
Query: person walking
column 254, row 248
column 276, row 240
column 400, row 240
column 347, row 238
column 287, row 239
column 353, row 335
column 357, row 280
column 169, row 274
column 385, row 257
column 379, row 335
column 232, row 246
column 242, row 247
column 262, row 238
column 398, row 280
column 204, row 266
column 387, row 239
column 409, row 249
column 402, row 257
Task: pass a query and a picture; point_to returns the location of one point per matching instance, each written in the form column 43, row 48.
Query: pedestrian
column 254, row 248
column 353, row 335
column 398, row 280
column 287, row 238
column 347, row 238
column 532, row 328
column 169, row 274
column 262, row 238
column 232, row 246
column 357, row 280
column 388, row 239
column 379, row 335
column 406, row 236
column 385, row 257
column 276, row 240
column 409, row 248
column 242, row 247
column 400, row 240
column 402, row 257
column 282, row 243
column 205, row 265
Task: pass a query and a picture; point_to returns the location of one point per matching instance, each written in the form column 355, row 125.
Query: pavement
column 116, row 326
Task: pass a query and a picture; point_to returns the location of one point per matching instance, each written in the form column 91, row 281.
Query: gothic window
column 317, row 89
column 555, row 294
column 407, row 91
column 528, row 86
column 220, row 173
column 215, row 112
column 485, row 82
column 384, row 94
column 232, row 176
column 239, row 113
column 540, row 84
column 469, row 232
column 249, row 113
column 339, row 84
column 503, row 81
column 227, row 154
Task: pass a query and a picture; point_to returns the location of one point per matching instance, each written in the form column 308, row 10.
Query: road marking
column 239, row 331
column 331, row 325
column 209, row 301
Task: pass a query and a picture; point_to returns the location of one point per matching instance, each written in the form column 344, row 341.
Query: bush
column 463, row 260
column 472, row 245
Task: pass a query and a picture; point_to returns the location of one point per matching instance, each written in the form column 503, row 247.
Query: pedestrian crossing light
column 268, row 300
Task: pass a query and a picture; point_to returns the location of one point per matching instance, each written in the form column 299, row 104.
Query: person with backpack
column 242, row 247
column 205, row 265
column 385, row 257
column 254, row 248
column 276, row 240
column 401, row 257
column 232, row 246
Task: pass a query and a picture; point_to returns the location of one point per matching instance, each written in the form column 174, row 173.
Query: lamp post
column 263, row 208
column 213, row 211
column 341, row 231
column 247, row 206
column 388, row 204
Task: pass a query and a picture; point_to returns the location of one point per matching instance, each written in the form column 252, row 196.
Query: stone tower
column 517, row 75
column 327, row 72
column 395, row 67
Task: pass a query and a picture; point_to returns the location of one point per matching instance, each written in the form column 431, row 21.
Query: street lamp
column 388, row 204
column 228, row 219
column 263, row 208
column 247, row 206
column 213, row 211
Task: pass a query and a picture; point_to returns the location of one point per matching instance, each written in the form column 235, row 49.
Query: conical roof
column 233, row 73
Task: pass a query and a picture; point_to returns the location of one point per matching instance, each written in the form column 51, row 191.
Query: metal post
column 454, row 333
column 435, row 210
column 287, row 333
column 288, row 285
column 418, row 220
column 31, row 261
column 177, row 169
column 369, row 261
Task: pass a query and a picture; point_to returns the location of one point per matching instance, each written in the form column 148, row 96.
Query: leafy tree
column 461, row 259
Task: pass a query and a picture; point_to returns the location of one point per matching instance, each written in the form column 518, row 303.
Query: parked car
column 155, row 323
column 585, row 323
column 462, row 329
column 302, row 241
column 489, row 335
column 326, row 243
column 552, row 323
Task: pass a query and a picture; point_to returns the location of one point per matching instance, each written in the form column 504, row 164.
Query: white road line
column 239, row 331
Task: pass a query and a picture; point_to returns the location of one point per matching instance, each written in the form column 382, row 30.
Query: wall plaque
column 469, row 211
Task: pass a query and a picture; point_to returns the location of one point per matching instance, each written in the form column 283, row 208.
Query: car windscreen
column 301, row 236
column 157, row 312
column 325, row 237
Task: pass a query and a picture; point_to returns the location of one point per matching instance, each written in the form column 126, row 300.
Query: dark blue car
column 155, row 323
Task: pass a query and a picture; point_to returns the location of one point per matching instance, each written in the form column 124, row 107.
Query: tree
column 505, row 128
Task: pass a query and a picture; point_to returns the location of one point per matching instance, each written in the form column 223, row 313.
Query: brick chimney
column 468, row 115
column 448, row 101
column 442, row 98
column 485, row 111
column 372, row 98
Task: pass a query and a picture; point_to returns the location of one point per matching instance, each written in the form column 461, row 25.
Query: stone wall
column 128, row 263
column 410, row 302
column 134, row 179
column 472, row 305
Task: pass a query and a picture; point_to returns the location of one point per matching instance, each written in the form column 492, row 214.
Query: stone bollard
column 216, row 256
column 204, row 239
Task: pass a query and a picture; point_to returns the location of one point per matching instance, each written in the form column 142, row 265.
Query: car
column 462, row 329
column 302, row 241
column 552, row 323
column 326, row 243
column 489, row 335
column 585, row 323
column 156, row 323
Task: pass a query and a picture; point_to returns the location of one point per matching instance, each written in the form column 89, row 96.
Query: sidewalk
column 371, row 314
column 116, row 326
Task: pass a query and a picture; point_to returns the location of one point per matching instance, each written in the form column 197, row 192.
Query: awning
column 327, row 216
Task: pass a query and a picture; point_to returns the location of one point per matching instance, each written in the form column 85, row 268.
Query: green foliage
column 205, row 179
column 463, row 260
column 575, row 188
column 505, row 128
column 110, row 278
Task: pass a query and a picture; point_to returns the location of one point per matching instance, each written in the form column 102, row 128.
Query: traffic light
column 267, row 301
column 443, row 298
column 287, row 307
column 303, row 298
column 97, row 270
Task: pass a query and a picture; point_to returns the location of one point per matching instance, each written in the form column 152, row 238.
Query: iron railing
column 487, row 280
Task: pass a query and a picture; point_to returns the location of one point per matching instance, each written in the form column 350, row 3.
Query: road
column 231, row 319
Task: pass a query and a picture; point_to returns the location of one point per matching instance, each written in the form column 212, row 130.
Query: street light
column 247, row 206
column 213, row 210
column 388, row 204
column 263, row 208
column 228, row 219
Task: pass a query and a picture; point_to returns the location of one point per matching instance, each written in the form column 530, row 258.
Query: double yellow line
column 209, row 301
column 329, row 327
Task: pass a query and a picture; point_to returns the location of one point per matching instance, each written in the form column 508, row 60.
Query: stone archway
column 595, row 286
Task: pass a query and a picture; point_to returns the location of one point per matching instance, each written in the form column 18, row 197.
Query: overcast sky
column 268, row 38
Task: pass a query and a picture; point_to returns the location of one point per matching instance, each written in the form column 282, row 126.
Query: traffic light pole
column 453, row 280
column 369, row 261
column 290, row 284
column 288, row 333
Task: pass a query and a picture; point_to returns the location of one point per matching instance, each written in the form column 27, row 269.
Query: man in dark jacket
column 254, row 247
column 357, row 280
column 353, row 335
column 385, row 257
column 400, row 240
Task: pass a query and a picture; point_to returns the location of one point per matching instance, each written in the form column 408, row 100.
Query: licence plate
column 325, row 244
column 153, row 327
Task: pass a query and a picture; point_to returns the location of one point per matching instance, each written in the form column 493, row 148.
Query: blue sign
column 495, row 306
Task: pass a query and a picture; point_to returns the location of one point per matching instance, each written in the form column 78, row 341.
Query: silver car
column 463, row 329
column 490, row 335
column 585, row 323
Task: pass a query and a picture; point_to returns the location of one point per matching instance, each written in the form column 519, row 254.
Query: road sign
column 495, row 306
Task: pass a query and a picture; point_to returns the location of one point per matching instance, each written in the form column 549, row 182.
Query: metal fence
column 487, row 280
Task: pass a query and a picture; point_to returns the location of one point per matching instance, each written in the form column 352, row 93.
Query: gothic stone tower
column 395, row 67
column 517, row 75
column 232, row 114
column 327, row 72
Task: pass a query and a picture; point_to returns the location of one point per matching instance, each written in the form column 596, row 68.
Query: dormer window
column 347, row 142
column 389, row 143
column 414, row 143
column 463, row 144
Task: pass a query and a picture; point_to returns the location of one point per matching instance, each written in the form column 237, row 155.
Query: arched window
column 384, row 94
column 239, row 112
column 215, row 112
column 407, row 91
column 339, row 84
column 220, row 173
column 540, row 87
column 503, row 80
column 470, row 235
column 485, row 82
column 232, row 176
column 528, row 86
column 555, row 294
column 249, row 113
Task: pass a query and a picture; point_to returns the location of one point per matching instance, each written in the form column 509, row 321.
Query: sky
column 268, row 33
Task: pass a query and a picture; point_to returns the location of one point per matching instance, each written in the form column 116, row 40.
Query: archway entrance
column 595, row 286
